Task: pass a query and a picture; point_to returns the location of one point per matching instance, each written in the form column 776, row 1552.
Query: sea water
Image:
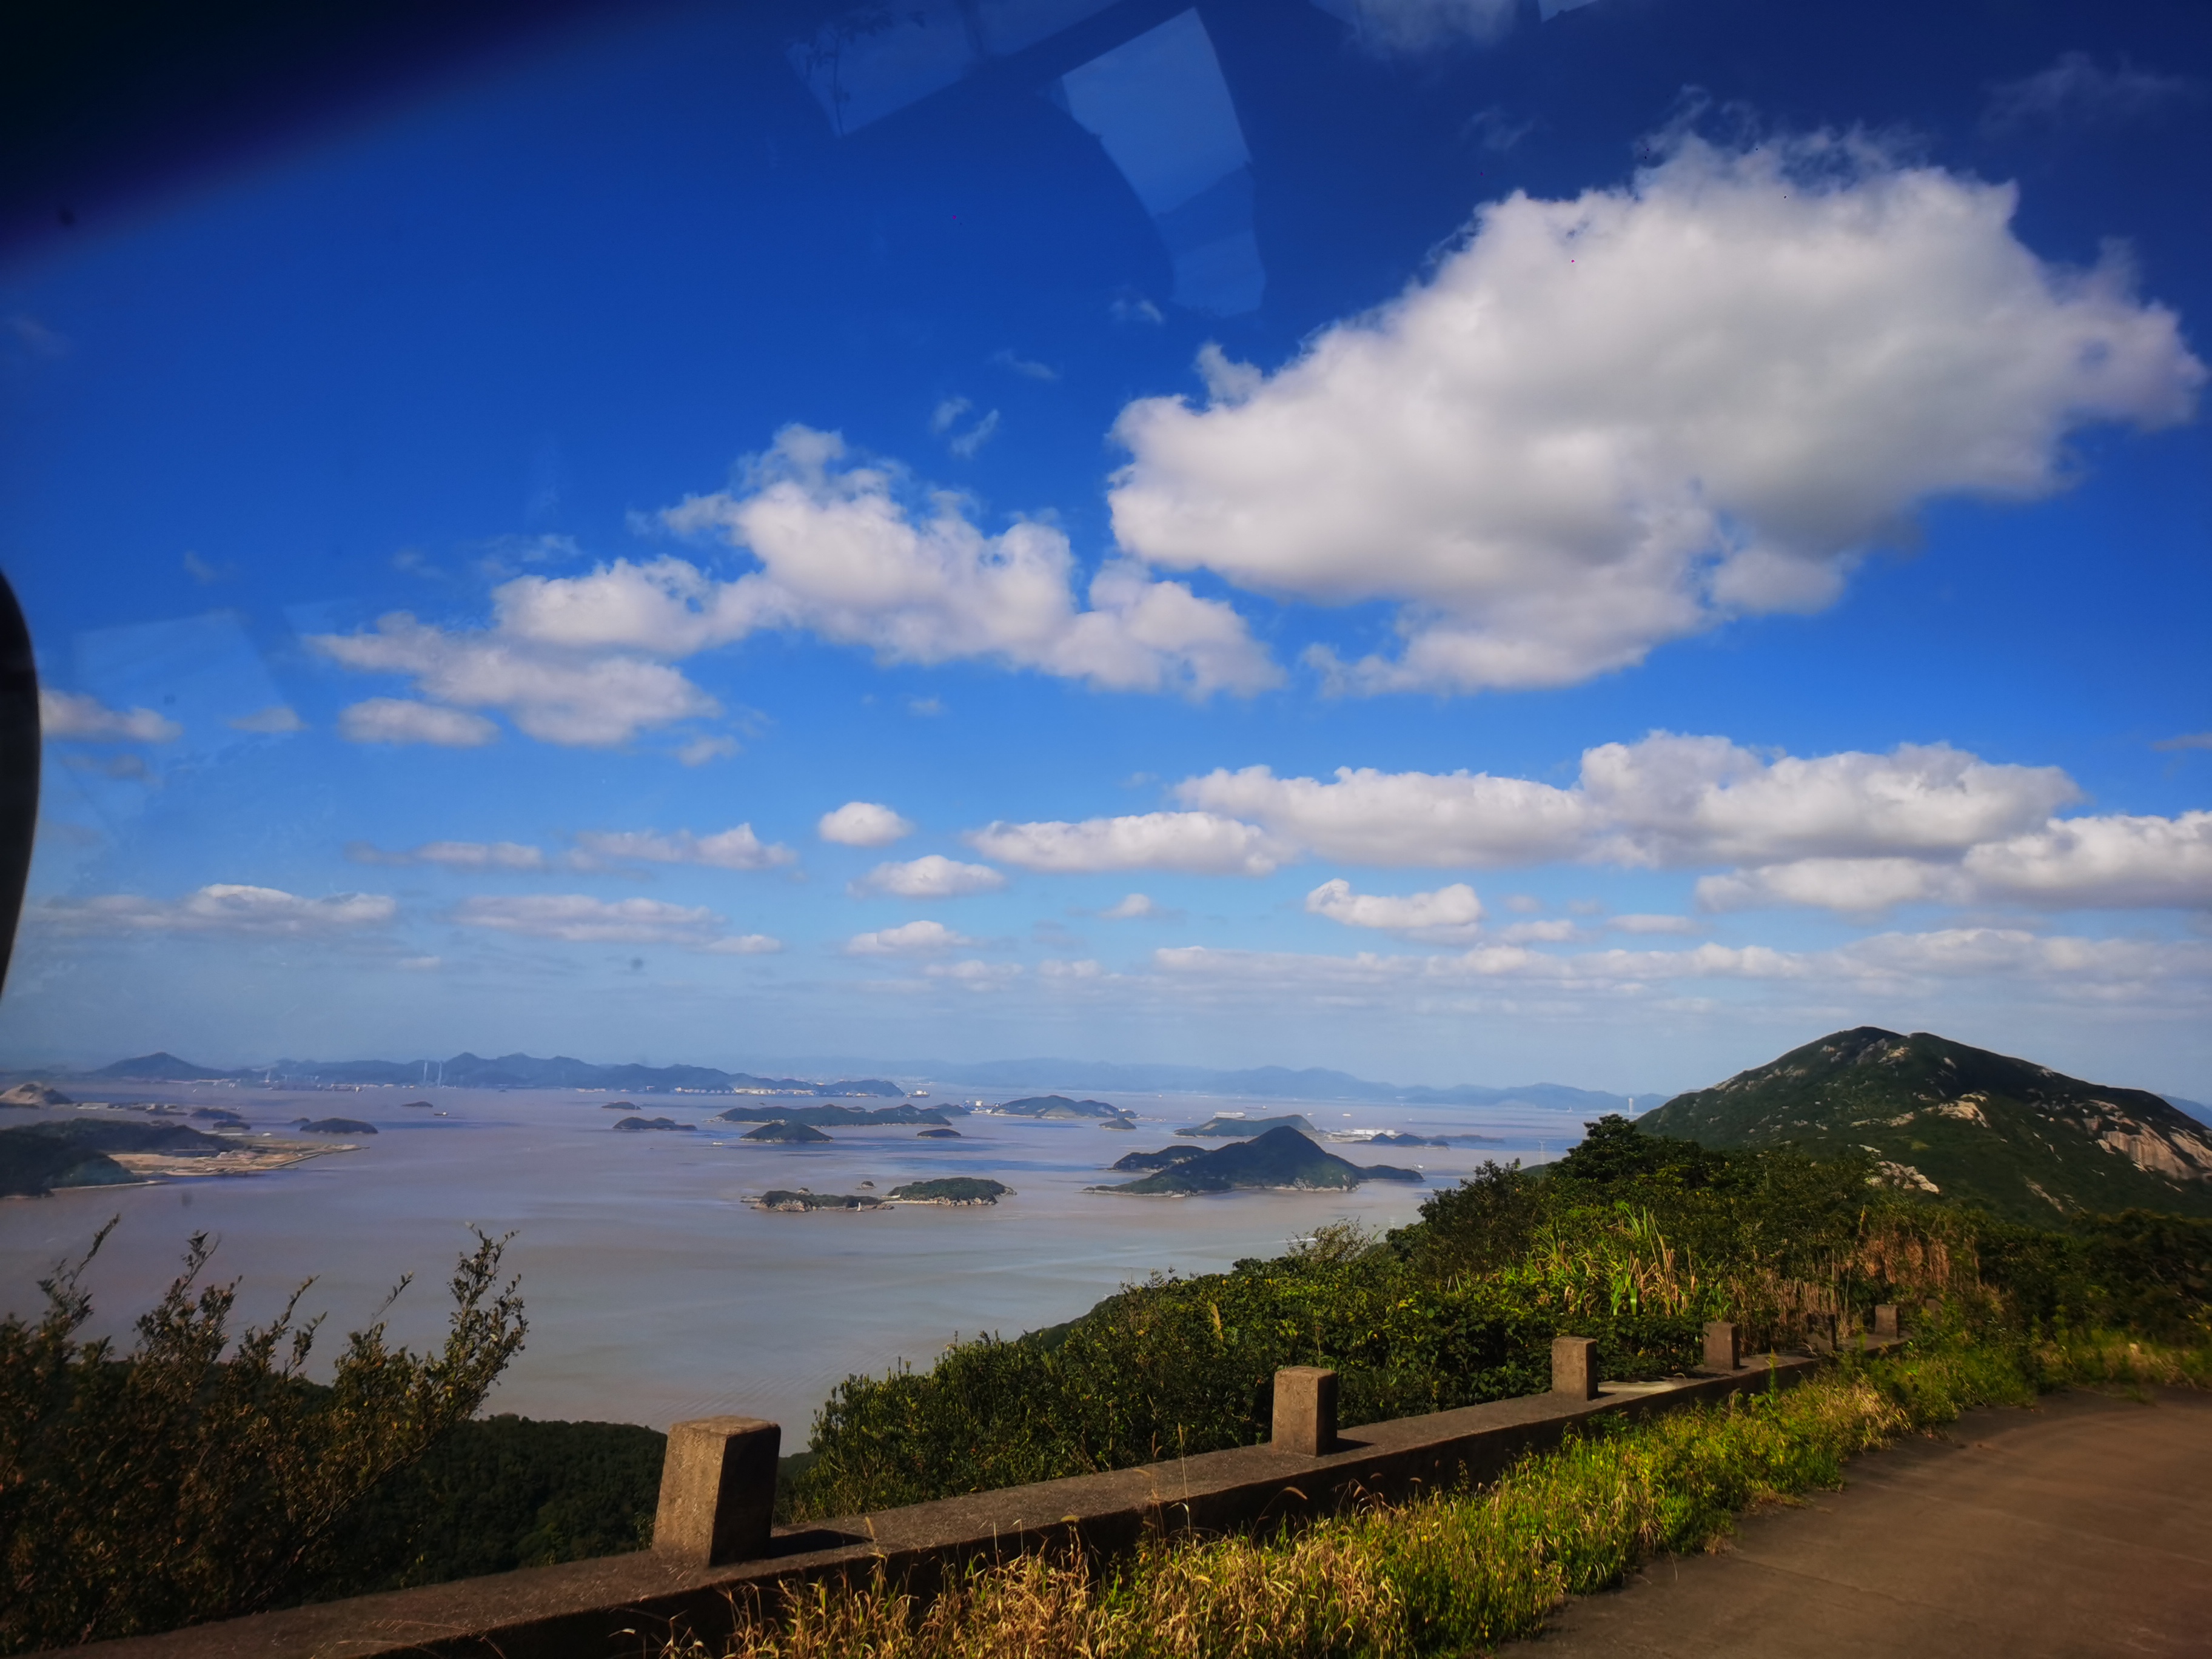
column 654, row 1291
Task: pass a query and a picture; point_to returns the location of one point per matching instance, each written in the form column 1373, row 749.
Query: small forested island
column 1282, row 1159
column 798, row 1203
column 939, row 1134
column 1242, row 1128
column 1060, row 1109
column 417, row 1106
column 614, row 1105
column 1394, row 1138
column 789, row 1134
column 333, row 1125
column 640, row 1124
column 1166, row 1159
column 852, row 1117
column 955, row 1189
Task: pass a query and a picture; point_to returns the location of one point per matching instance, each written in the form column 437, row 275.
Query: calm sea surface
column 654, row 1291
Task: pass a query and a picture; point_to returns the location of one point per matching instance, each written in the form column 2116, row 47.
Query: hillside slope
column 2018, row 1139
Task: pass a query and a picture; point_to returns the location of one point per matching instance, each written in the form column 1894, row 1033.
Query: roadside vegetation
column 1460, row 1572
column 1633, row 1239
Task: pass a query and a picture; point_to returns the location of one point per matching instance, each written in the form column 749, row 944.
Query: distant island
column 1223, row 1123
column 333, row 1125
column 1059, row 1108
column 956, row 1189
column 939, row 1134
column 38, row 1158
column 798, row 1203
column 633, row 1126
column 858, row 1116
column 35, row 1094
column 1282, row 1158
column 791, row 1134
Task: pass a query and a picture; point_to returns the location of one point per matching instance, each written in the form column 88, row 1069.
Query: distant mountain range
column 1000, row 1076
column 468, row 1071
column 2017, row 1138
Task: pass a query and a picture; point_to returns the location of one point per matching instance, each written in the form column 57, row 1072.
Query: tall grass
column 1449, row 1574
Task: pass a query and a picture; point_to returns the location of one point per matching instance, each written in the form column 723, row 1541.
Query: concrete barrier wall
column 628, row 1605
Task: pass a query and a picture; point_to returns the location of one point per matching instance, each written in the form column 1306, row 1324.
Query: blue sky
column 1409, row 535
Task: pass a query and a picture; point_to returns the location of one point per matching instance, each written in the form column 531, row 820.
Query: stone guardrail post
column 717, row 1490
column 1885, row 1321
column 1305, row 1410
column 1574, row 1366
column 1723, row 1346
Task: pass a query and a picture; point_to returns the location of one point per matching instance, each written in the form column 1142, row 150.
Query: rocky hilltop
column 2017, row 1138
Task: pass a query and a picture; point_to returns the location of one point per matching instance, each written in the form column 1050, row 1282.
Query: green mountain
column 790, row 1135
column 1281, row 1157
column 2017, row 1138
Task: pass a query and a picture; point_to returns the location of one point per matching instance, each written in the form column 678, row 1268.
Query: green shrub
column 174, row 1483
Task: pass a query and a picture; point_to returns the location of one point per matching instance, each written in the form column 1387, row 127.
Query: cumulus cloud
column 863, row 823
column 1131, row 907
column 701, row 750
column 913, row 938
column 398, row 721
column 578, row 919
column 728, row 850
column 931, row 877
column 1606, row 422
column 843, row 557
column 1651, row 924
column 2187, row 741
column 83, row 718
column 2113, row 861
column 1448, row 912
column 457, row 854
column 1666, row 800
column 2078, row 91
column 1197, row 843
column 556, row 696
column 744, row 945
column 223, row 907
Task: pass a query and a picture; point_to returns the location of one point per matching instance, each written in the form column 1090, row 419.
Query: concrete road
column 2082, row 1527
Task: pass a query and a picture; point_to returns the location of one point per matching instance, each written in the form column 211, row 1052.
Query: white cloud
column 1069, row 972
column 2187, row 740
column 2084, row 863
column 81, row 718
column 728, row 850
column 842, row 557
column 1553, row 930
column 1197, row 843
column 701, row 750
column 420, row 964
column 578, row 919
column 913, row 938
column 933, row 875
column 1665, row 800
column 976, row 976
column 863, row 823
column 1028, row 367
column 222, row 907
column 1453, row 911
column 1607, row 423
column 275, row 720
column 747, row 945
column 2078, row 91
column 942, row 417
column 396, row 719
column 2109, row 860
column 457, row 856
column 554, row 695
column 965, row 444
column 1139, row 310
column 1130, row 907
